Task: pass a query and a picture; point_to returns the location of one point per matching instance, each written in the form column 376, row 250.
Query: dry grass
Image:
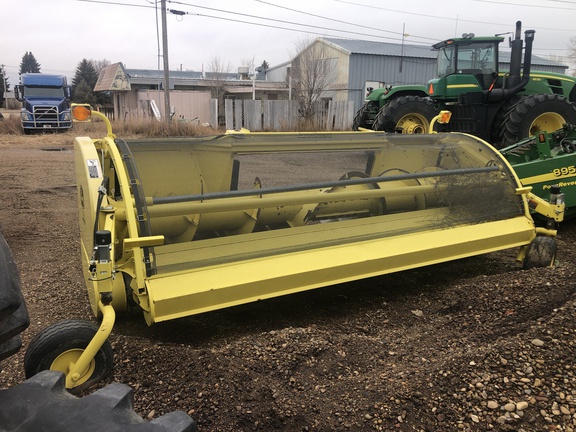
column 11, row 126
column 153, row 128
column 130, row 129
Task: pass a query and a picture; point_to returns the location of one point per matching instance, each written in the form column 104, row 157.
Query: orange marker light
column 541, row 137
column 431, row 89
column 445, row 117
column 81, row 113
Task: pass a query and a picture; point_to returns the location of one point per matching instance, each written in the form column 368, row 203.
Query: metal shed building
column 367, row 63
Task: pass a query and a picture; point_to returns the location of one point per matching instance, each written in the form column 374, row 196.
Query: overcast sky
column 60, row 33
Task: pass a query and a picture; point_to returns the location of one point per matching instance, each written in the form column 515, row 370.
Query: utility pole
column 3, row 73
column 167, row 116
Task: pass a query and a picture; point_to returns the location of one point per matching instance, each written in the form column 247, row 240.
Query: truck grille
column 45, row 114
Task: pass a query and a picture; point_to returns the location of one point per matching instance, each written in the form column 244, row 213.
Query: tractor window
column 473, row 58
column 477, row 57
column 446, row 61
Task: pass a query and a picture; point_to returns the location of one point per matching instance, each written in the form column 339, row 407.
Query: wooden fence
column 283, row 115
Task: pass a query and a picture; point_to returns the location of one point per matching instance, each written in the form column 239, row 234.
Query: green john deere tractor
column 500, row 107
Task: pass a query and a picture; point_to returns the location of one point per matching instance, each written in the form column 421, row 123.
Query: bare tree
column 216, row 75
column 572, row 52
column 312, row 72
column 100, row 64
column 249, row 62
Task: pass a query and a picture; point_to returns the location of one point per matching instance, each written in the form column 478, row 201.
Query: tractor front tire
column 536, row 113
column 61, row 344
column 541, row 253
column 407, row 115
column 362, row 117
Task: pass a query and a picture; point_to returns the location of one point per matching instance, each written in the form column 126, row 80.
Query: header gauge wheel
column 60, row 345
column 541, row 253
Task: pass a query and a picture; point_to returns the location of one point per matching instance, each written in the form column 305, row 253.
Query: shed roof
column 355, row 46
column 142, row 75
column 112, row 77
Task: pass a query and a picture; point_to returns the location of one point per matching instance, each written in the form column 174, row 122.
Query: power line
column 178, row 12
column 273, row 20
column 116, row 3
column 526, row 5
column 337, row 20
column 427, row 15
column 354, row 3
column 276, row 27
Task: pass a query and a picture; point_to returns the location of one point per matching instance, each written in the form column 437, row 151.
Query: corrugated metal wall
column 277, row 74
column 392, row 70
column 536, row 67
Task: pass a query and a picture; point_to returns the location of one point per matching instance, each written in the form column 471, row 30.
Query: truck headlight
column 25, row 115
column 66, row 116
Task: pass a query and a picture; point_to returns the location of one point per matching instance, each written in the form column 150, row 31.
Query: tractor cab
column 467, row 64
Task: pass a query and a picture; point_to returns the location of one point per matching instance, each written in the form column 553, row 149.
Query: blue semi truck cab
column 45, row 102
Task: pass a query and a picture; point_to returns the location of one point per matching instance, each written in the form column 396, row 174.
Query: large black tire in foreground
column 541, row 112
column 43, row 404
column 406, row 114
column 62, row 343
column 13, row 313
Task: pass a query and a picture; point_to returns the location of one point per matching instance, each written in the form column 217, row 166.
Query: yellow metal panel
column 213, row 287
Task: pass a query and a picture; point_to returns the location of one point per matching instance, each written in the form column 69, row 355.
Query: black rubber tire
column 361, row 117
column 390, row 115
column 13, row 313
column 519, row 122
column 64, row 336
column 541, row 253
column 42, row 404
column 497, row 128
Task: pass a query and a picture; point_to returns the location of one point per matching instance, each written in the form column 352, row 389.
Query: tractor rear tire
column 41, row 403
column 62, row 343
column 497, row 130
column 14, row 317
column 532, row 114
column 541, row 253
column 407, row 115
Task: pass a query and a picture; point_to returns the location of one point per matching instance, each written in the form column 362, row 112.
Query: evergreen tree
column 85, row 71
column 29, row 64
column 83, row 93
column 102, row 98
column 264, row 65
column 84, row 81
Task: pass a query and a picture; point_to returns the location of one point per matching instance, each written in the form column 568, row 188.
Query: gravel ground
column 477, row 344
